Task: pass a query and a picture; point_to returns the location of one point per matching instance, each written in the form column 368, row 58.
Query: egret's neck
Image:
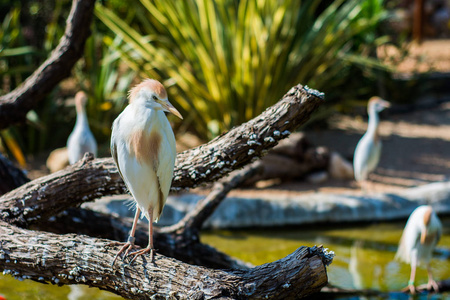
column 374, row 120
column 81, row 116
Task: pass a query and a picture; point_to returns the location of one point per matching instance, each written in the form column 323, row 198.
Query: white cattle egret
column 143, row 148
column 81, row 139
column 368, row 150
column 421, row 234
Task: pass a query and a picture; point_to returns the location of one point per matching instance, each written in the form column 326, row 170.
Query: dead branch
column 294, row 157
column 75, row 259
column 191, row 224
column 91, row 179
column 15, row 105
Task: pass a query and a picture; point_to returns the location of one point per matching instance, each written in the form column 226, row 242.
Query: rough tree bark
column 15, row 105
column 75, row 259
column 69, row 258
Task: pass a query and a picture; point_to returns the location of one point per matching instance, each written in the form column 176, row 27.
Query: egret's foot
column 125, row 247
column 432, row 285
column 410, row 288
column 143, row 251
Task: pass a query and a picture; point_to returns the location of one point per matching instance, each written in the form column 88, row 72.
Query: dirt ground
column 431, row 55
column 416, row 151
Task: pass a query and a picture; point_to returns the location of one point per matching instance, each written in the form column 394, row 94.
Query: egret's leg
column 130, row 243
column 364, row 184
column 149, row 248
column 431, row 283
column 411, row 286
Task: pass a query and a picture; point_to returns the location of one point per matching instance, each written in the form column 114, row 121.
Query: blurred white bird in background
column 143, row 148
column 368, row 150
column 420, row 236
column 81, row 140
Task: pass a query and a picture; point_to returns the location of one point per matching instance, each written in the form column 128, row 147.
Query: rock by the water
column 235, row 212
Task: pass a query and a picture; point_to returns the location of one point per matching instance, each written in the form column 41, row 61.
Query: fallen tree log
column 76, row 259
column 293, row 158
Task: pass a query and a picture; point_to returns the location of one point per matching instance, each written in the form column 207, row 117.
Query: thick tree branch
column 15, row 105
column 49, row 195
column 192, row 223
column 190, row 251
column 91, row 179
column 181, row 241
column 74, row 259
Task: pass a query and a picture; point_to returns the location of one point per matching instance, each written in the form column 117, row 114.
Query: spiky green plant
column 225, row 61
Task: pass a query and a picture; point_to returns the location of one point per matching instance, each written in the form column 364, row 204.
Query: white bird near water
column 81, row 140
column 368, row 150
column 143, row 148
column 420, row 236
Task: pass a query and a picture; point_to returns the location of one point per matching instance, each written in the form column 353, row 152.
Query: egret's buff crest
column 374, row 99
column 150, row 84
column 80, row 100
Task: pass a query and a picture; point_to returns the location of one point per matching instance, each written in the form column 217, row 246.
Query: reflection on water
column 364, row 259
column 364, row 253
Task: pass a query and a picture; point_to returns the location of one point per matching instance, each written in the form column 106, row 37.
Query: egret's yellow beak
column 423, row 236
column 167, row 105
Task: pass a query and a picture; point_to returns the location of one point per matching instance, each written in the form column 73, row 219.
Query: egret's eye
column 154, row 98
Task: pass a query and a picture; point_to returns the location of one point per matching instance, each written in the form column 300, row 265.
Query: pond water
column 364, row 259
column 364, row 253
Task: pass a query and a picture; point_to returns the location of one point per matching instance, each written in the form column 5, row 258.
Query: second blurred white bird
column 81, row 140
column 143, row 148
column 368, row 150
column 420, row 236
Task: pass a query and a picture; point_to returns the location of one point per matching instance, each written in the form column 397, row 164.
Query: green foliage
column 225, row 61
column 18, row 59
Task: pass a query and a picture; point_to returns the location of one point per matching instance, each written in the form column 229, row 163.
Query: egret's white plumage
column 368, row 150
column 143, row 148
column 420, row 236
column 81, row 140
